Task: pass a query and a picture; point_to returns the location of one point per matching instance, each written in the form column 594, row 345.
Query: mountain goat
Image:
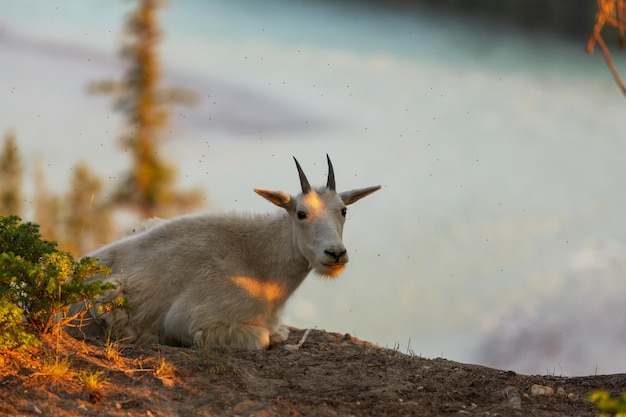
column 222, row 279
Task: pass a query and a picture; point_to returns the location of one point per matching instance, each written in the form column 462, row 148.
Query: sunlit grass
column 164, row 369
column 112, row 348
column 55, row 367
column 93, row 380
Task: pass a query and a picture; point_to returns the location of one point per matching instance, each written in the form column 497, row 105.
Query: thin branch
column 611, row 12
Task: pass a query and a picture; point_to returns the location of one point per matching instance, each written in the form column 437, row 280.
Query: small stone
column 572, row 397
column 244, row 406
column 118, row 406
column 560, row 392
column 513, row 397
column 541, row 390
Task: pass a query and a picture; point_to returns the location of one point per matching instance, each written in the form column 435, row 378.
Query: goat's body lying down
column 222, row 280
column 205, row 280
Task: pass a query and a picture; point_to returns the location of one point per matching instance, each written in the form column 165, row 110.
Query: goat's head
column 318, row 216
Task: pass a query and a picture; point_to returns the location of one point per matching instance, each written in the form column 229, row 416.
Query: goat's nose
column 336, row 253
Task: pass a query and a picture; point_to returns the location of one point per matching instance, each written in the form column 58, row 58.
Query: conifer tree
column 47, row 206
column 149, row 185
column 11, row 171
column 88, row 221
column 81, row 219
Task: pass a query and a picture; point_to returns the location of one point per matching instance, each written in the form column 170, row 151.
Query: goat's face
column 318, row 216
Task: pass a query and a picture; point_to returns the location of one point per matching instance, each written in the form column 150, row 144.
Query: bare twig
column 609, row 12
column 300, row 343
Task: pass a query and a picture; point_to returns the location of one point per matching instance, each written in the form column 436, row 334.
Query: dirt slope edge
column 329, row 375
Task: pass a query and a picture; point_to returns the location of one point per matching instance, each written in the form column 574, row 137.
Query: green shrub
column 38, row 282
column 12, row 333
column 23, row 239
column 608, row 405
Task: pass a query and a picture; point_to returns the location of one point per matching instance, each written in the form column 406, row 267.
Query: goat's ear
column 349, row 197
column 279, row 198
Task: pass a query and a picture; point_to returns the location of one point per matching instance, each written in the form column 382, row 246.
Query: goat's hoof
column 280, row 335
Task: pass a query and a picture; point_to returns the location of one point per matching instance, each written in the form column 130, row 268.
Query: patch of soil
column 330, row 374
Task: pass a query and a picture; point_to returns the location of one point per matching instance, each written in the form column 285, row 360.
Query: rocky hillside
column 328, row 374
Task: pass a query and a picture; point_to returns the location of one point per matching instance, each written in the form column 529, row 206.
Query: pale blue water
column 499, row 236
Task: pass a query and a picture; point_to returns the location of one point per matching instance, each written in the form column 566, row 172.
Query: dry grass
column 164, row 369
column 112, row 348
column 55, row 366
column 93, row 379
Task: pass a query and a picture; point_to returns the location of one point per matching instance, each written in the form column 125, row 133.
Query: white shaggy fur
column 222, row 279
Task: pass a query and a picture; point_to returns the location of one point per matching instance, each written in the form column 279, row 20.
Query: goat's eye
column 344, row 211
column 301, row 215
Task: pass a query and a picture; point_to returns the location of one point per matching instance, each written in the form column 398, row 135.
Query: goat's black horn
column 330, row 184
column 306, row 187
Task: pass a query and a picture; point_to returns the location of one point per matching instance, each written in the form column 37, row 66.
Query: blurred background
column 499, row 236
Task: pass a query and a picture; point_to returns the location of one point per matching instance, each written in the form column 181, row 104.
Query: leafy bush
column 23, row 239
column 38, row 282
column 12, row 333
column 609, row 405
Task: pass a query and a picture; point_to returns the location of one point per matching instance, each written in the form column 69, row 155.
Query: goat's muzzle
column 337, row 255
column 334, row 261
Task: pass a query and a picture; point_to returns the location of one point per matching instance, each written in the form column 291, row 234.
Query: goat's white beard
column 329, row 271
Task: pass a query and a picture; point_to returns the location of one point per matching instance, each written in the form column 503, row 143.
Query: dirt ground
column 330, row 374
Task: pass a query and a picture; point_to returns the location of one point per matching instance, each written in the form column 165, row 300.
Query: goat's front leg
column 233, row 335
column 279, row 335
